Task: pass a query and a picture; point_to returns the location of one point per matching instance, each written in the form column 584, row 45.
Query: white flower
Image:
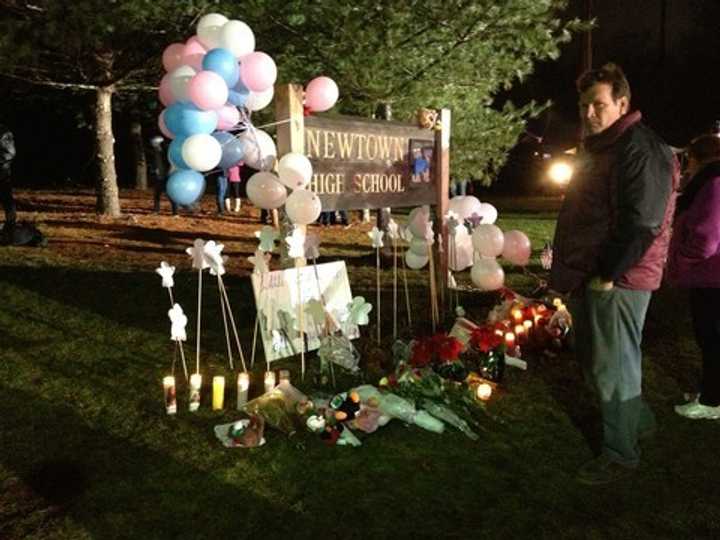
column 166, row 272
column 199, row 261
column 178, row 321
column 376, row 235
column 296, row 243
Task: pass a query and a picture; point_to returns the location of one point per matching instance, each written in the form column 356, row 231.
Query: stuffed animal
column 346, row 409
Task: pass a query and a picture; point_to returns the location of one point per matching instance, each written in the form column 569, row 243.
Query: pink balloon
column 163, row 128
column 517, row 248
column 208, row 90
column 193, row 54
column 321, row 94
column 165, row 92
column 258, row 71
column 228, row 117
column 172, row 56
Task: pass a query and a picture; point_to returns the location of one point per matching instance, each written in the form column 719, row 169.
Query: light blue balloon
column 232, row 149
column 175, row 153
column 184, row 119
column 222, row 62
column 185, row 186
column 238, row 94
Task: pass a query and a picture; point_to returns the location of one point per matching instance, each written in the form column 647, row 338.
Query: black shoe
column 602, row 470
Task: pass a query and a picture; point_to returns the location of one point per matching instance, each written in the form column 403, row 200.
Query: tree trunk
column 136, row 136
column 108, row 199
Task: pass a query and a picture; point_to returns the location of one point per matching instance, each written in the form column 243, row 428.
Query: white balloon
column 419, row 246
column 488, row 213
column 461, row 253
column 201, row 152
column 208, row 29
column 265, row 190
column 487, row 274
column 295, row 170
column 464, row 205
column 488, row 240
column 237, row 37
column 415, row 261
column 179, row 80
column 259, row 100
column 259, row 150
column 303, row 207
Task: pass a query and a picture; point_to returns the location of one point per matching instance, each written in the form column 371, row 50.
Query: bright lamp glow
column 560, row 172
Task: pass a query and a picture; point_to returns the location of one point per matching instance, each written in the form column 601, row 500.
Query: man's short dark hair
column 611, row 74
column 705, row 148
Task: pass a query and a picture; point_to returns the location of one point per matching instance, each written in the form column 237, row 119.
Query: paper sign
column 276, row 298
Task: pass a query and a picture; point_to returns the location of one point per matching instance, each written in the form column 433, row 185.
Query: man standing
column 7, row 154
column 610, row 247
column 159, row 171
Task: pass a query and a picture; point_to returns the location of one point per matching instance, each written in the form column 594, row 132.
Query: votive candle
column 269, row 381
column 284, row 376
column 528, row 324
column 243, row 385
column 484, row 391
column 218, row 398
column 195, row 385
column 170, row 394
column 509, row 340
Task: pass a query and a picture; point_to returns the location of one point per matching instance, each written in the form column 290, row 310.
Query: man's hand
column 598, row 284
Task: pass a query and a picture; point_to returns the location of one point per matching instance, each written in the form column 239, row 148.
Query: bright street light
column 560, row 172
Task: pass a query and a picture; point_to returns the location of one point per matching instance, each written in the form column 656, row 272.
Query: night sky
column 670, row 51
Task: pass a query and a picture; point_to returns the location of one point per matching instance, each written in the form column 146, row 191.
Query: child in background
column 233, row 175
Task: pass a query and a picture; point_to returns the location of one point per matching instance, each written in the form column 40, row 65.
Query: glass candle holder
column 195, row 386
column 170, row 394
column 243, row 386
column 218, row 395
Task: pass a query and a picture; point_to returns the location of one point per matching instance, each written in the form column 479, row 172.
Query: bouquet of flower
column 441, row 353
column 487, row 351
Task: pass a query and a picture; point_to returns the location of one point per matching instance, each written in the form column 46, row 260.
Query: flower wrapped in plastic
column 445, row 414
column 397, row 407
column 488, row 351
column 272, row 407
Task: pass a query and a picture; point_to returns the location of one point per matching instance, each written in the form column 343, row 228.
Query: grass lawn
column 86, row 450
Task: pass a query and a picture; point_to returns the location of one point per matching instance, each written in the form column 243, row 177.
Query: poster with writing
column 325, row 292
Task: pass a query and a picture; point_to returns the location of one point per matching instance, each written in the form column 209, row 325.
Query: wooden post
column 290, row 138
column 442, row 181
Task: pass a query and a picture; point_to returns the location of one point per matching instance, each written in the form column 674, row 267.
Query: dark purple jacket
column 694, row 259
column 615, row 219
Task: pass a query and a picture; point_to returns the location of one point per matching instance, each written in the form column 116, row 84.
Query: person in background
column 609, row 251
column 7, row 154
column 694, row 263
column 159, row 172
column 221, row 191
column 233, row 175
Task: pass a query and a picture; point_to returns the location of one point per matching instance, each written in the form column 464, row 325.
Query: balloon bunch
column 269, row 190
column 490, row 242
column 208, row 78
column 418, row 238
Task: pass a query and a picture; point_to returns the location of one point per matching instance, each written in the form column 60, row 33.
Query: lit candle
column 520, row 333
column 195, row 385
column 218, row 392
column 528, row 324
column 499, row 332
column 243, row 385
column 557, row 302
column 170, row 395
column 269, row 381
column 509, row 340
column 517, row 315
column 484, row 391
column 284, row 376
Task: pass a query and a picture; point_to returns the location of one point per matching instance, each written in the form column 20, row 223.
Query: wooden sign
column 360, row 163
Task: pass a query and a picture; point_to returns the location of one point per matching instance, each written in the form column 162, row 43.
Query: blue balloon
column 184, row 119
column 232, row 149
column 222, row 62
column 184, row 186
column 175, row 153
column 238, row 94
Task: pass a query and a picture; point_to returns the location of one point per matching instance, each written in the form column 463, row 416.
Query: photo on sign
column 421, row 157
column 325, row 291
